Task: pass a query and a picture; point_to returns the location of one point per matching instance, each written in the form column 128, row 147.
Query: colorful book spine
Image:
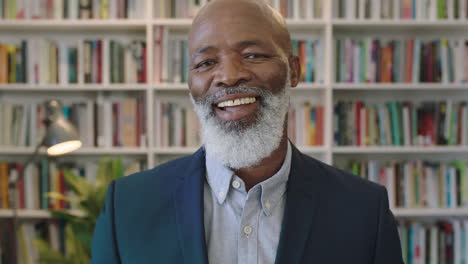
column 400, row 123
column 412, row 60
column 417, row 184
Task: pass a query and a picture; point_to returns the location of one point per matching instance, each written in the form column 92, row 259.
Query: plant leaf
column 59, row 196
column 87, row 198
column 80, row 186
column 103, row 172
column 118, row 169
column 47, row 254
column 65, row 215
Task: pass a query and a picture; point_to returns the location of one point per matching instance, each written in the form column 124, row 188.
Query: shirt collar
column 273, row 188
column 219, row 179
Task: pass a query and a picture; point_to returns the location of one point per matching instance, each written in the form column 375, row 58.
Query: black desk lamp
column 60, row 138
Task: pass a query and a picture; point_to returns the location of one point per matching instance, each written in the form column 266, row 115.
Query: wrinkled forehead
column 230, row 31
column 228, row 20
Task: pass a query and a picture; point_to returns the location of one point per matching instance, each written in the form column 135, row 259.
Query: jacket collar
column 188, row 199
column 303, row 194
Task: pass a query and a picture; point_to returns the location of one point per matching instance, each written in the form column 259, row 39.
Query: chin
column 246, row 142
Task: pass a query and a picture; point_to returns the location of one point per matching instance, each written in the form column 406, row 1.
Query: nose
column 231, row 72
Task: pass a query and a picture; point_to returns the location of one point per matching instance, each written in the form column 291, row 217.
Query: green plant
column 88, row 199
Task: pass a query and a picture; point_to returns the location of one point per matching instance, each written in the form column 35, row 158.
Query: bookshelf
column 30, row 214
column 327, row 27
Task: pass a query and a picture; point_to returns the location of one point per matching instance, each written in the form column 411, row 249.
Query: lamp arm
column 26, row 163
column 34, row 155
column 13, row 190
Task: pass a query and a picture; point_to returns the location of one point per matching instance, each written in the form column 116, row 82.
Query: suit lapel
column 188, row 199
column 300, row 211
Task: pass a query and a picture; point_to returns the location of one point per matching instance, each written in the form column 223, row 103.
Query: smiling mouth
column 237, row 106
column 236, row 102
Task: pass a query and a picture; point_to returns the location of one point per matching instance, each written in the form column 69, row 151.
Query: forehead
column 231, row 30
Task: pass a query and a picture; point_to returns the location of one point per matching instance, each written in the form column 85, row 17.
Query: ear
column 294, row 70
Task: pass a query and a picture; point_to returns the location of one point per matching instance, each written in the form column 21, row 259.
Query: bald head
column 240, row 41
column 265, row 16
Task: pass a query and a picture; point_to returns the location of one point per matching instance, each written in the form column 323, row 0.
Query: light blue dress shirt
column 243, row 227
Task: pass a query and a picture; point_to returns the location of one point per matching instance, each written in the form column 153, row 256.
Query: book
column 177, row 125
column 310, row 52
column 397, row 123
column 420, row 184
column 307, row 124
column 127, row 62
column 4, row 191
column 129, row 122
column 23, row 123
column 403, row 9
column 48, row 176
column 412, row 60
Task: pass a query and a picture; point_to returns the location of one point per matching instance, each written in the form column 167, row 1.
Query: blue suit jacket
column 331, row 217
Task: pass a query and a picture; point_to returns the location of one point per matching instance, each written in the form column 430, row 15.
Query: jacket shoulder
column 161, row 179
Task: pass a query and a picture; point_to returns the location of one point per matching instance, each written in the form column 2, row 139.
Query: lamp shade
column 61, row 136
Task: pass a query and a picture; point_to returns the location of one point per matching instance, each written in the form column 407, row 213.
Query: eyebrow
column 242, row 44
column 203, row 49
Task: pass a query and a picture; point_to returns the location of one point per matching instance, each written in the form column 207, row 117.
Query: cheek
column 274, row 74
column 198, row 85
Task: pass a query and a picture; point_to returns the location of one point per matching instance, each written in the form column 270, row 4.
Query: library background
column 383, row 94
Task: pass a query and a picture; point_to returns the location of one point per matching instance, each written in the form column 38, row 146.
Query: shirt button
column 221, row 195
column 236, row 184
column 247, row 230
column 267, row 204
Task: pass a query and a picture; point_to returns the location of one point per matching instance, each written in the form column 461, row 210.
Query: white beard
column 237, row 146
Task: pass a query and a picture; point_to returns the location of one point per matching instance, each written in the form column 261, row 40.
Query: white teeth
column 236, row 102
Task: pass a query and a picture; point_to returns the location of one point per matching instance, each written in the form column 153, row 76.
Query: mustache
column 208, row 100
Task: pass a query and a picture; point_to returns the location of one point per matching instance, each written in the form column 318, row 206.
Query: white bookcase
column 326, row 28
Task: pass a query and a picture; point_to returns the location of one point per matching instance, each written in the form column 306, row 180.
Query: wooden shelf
column 430, row 212
column 171, row 87
column 174, row 150
column 398, row 150
column 75, row 25
column 184, row 87
column 314, row 24
column 182, row 23
column 398, row 24
column 313, row 150
column 73, row 87
column 31, row 214
column 82, row 151
column 399, row 86
column 309, row 86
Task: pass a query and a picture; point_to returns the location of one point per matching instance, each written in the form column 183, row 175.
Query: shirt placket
column 248, row 233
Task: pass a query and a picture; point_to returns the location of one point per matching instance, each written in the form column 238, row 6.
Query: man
column 247, row 196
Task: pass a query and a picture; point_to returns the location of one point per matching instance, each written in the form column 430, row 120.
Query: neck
column 266, row 168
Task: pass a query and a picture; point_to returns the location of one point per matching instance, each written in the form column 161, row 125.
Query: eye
column 255, row 56
column 205, row 64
